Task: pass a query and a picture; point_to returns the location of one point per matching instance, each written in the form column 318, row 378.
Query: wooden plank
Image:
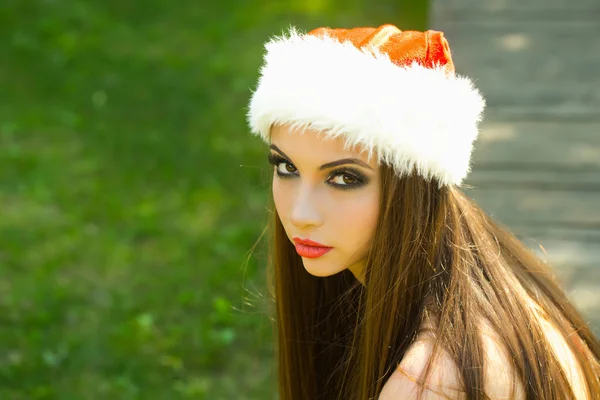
column 566, row 255
column 544, row 231
column 497, row 5
column 530, row 67
column 571, row 146
column 537, row 114
column 520, row 176
column 534, row 206
column 449, row 14
column 513, row 50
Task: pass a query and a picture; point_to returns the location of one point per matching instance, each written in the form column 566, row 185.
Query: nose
column 305, row 208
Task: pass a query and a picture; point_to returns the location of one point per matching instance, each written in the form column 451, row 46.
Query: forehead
column 310, row 143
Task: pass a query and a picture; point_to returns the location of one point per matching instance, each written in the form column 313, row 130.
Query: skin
column 311, row 208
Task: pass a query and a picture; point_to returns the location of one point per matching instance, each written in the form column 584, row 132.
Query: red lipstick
column 309, row 249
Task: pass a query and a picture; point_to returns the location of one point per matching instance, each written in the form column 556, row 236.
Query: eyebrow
column 330, row 164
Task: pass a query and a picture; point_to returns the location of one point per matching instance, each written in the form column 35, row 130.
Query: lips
column 310, row 249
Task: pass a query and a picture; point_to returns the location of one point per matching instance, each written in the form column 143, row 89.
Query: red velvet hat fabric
column 429, row 48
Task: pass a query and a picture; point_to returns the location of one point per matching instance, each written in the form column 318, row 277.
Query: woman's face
column 336, row 206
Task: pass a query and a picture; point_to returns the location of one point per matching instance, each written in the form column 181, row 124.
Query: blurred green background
column 132, row 194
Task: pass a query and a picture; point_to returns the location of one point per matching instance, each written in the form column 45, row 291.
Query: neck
column 358, row 271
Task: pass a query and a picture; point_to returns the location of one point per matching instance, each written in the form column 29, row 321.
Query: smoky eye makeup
column 276, row 159
column 356, row 178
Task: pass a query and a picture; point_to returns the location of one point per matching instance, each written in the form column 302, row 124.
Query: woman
column 388, row 281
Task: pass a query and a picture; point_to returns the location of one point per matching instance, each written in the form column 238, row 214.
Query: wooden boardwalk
column 536, row 164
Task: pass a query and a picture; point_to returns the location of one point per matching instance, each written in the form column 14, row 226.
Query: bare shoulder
column 444, row 380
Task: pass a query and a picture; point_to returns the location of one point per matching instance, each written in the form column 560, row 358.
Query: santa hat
column 393, row 92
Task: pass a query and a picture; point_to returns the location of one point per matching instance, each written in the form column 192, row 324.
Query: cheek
column 281, row 198
column 356, row 218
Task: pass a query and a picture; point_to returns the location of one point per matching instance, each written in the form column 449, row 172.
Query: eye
column 287, row 167
column 346, row 179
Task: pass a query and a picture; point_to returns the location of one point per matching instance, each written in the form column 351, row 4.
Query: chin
column 313, row 267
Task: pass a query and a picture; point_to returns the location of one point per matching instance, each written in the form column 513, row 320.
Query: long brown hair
column 436, row 253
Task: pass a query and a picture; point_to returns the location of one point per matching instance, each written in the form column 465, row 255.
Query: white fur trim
column 413, row 117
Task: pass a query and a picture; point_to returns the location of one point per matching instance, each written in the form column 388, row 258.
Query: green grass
column 131, row 194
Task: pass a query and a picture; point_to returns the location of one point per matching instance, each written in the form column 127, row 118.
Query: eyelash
column 275, row 160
